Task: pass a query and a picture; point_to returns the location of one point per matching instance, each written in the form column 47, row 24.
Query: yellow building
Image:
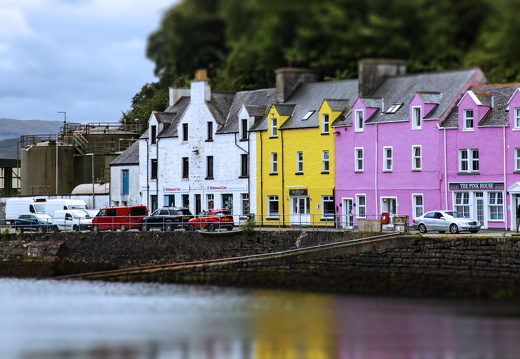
column 295, row 155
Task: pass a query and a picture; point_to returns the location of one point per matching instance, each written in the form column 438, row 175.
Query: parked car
column 167, row 219
column 122, row 218
column 35, row 222
column 211, row 220
column 443, row 221
column 71, row 220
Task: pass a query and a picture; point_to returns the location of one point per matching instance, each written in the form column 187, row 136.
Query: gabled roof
column 338, row 104
column 256, row 102
column 170, row 118
column 129, row 157
column 494, row 96
column 303, row 105
column 440, row 88
column 220, row 106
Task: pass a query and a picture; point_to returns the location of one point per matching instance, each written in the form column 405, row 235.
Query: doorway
column 300, row 211
column 348, row 215
column 389, row 204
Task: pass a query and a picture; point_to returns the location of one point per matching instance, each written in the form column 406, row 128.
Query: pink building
column 390, row 146
column 482, row 141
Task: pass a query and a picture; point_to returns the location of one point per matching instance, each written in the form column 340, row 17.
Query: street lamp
column 93, row 191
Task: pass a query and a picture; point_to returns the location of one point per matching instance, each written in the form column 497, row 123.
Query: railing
column 313, row 222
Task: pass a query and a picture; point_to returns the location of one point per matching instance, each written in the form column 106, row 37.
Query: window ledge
column 325, row 172
column 325, row 134
column 209, row 140
column 387, row 171
column 243, row 176
column 273, row 136
column 327, row 219
column 273, row 218
column 209, row 178
column 417, row 170
column 273, row 174
column 467, row 173
column 243, row 139
column 358, row 171
column 468, row 130
column 299, row 173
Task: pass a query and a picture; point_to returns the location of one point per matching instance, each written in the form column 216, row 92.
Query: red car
column 211, row 220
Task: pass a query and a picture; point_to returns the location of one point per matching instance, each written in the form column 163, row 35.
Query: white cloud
column 86, row 57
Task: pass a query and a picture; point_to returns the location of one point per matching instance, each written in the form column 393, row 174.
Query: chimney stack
column 288, row 79
column 372, row 72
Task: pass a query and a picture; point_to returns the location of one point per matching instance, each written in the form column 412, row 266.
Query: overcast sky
column 84, row 57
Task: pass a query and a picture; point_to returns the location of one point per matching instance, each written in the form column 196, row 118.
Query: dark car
column 35, row 222
column 211, row 220
column 167, row 219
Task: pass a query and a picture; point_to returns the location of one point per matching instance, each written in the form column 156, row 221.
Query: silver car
column 443, row 221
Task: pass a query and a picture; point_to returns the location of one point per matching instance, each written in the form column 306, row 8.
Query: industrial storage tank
column 39, row 170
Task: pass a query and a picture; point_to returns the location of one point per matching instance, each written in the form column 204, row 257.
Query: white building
column 124, row 178
column 198, row 152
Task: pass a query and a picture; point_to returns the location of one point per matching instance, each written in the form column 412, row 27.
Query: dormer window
column 468, row 119
column 185, row 132
column 274, row 127
column 153, row 134
column 325, row 125
column 306, row 117
column 243, row 129
column 394, row 108
column 358, row 120
column 416, row 118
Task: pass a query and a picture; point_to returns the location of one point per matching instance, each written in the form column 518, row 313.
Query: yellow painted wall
column 312, row 143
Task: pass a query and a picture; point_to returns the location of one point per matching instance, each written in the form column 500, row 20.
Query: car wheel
column 168, row 227
column 95, row 228
column 19, row 230
column 122, row 228
column 211, row 227
column 75, row 228
column 144, row 227
column 229, row 228
column 56, row 229
column 454, row 229
column 422, row 228
column 191, row 227
column 473, row 231
column 39, row 229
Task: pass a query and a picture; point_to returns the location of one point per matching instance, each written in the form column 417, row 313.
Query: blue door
column 126, row 182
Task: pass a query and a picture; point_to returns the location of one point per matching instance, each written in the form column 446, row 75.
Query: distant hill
column 12, row 130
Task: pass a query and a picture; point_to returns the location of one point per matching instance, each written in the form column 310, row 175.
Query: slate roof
column 497, row 116
column 129, row 157
column 257, row 103
column 170, row 118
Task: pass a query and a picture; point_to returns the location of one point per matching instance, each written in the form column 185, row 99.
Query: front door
column 389, row 204
column 300, row 211
column 348, row 215
column 479, row 201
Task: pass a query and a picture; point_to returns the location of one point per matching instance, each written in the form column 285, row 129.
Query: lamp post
column 57, row 156
column 93, row 191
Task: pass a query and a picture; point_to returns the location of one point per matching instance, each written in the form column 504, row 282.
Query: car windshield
column 455, row 214
column 80, row 215
column 222, row 213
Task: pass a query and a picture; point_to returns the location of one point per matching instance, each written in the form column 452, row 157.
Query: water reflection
column 94, row 320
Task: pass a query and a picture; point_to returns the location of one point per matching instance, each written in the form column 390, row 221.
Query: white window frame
column 327, row 199
column 416, row 117
column 359, row 121
column 517, row 159
column 496, row 206
column 274, row 162
column 299, row 162
column 468, row 162
column 461, row 203
column 325, row 125
column 417, row 158
column 274, row 127
column 359, row 161
column 325, row 162
column 388, row 161
column 516, row 119
column 417, row 208
column 272, row 199
column 469, row 120
column 361, row 206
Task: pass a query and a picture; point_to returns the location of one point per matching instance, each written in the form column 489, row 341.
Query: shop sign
column 175, row 189
column 298, row 192
column 221, row 188
column 476, row 186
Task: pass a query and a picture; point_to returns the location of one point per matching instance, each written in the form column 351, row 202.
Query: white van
column 71, row 220
column 14, row 207
column 61, row 204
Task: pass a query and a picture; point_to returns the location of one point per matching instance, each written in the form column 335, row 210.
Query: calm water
column 97, row 320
